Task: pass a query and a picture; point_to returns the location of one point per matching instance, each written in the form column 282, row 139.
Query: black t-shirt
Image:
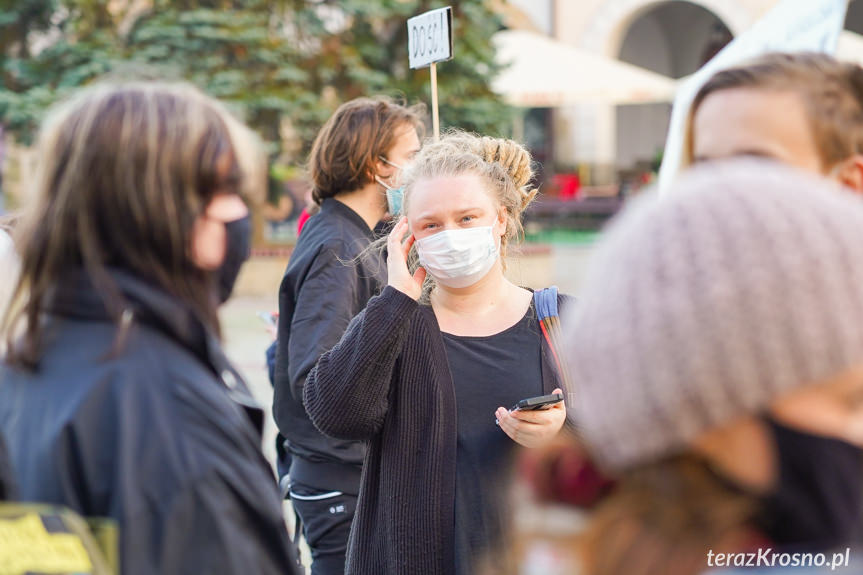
column 488, row 372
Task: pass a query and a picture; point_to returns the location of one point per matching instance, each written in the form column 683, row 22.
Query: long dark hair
column 356, row 136
column 124, row 171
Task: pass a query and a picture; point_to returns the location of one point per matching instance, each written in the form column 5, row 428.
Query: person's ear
column 500, row 222
column 209, row 239
column 208, row 243
column 850, row 173
column 383, row 170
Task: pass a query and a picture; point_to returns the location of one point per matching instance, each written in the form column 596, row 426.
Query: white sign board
column 792, row 26
column 430, row 37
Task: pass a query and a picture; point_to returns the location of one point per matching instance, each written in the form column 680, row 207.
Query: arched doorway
column 672, row 38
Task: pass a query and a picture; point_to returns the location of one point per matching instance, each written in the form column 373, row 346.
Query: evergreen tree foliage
column 274, row 62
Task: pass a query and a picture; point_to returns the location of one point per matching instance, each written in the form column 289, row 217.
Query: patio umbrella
column 542, row 72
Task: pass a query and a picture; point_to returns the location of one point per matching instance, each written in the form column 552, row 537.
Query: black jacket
column 329, row 280
column 160, row 435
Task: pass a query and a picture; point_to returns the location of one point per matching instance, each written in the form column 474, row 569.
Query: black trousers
column 326, row 517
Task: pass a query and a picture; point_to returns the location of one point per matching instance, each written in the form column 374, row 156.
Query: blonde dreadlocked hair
column 503, row 165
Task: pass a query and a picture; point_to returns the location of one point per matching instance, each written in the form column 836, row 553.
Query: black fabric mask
column 238, row 238
column 818, row 500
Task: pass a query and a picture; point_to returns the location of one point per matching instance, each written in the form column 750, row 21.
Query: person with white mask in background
column 426, row 372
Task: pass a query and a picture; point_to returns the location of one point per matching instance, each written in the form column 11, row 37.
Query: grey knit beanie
column 704, row 305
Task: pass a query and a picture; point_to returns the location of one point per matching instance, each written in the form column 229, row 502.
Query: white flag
column 792, row 26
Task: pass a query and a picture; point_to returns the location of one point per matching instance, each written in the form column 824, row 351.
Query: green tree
column 368, row 54
column 236, row 51
column 47, row 49
column 295, row 59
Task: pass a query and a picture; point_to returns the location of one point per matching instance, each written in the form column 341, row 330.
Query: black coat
column 160, row 435
column 329, row 280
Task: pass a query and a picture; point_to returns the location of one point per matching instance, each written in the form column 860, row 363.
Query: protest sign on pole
column 792, row 26
column 430, row 42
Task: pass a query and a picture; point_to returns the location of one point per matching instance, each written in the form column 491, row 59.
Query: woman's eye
column 467, row 219
column 428, row 226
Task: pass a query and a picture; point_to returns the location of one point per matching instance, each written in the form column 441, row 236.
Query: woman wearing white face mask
column 427, row 371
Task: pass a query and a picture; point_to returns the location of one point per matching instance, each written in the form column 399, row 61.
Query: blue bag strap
column 545, row 302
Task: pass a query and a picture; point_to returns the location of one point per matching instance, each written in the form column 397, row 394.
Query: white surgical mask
column 459, row 258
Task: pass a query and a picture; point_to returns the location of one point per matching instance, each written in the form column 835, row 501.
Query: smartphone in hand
column 538, row 403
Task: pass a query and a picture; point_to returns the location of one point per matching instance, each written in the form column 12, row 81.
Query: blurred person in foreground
column 116, row 398
column 717, row 355
column 803, row 109
column 355, row 166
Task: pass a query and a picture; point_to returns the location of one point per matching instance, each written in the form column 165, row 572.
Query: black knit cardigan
column 388, row 382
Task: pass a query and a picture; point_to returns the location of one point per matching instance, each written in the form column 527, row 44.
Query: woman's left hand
column 532, row 428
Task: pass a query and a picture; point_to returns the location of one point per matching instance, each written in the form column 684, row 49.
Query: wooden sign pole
column 430, row 42
column 435, row 117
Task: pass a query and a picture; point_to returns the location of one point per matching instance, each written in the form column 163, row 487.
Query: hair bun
column 515, row 159
column 509, row 154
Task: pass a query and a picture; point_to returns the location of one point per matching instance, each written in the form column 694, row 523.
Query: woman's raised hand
column 532, row 428
column 398, row 249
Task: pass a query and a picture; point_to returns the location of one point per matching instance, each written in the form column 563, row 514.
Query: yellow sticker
column 25, row 545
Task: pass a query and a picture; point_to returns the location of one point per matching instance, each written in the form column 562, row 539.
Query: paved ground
column 246, row 337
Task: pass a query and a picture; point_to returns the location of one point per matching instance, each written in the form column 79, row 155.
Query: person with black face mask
column 238, row 248
column 117, row 400
column 717, row 358
column 817, row 502
column 225, row 244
